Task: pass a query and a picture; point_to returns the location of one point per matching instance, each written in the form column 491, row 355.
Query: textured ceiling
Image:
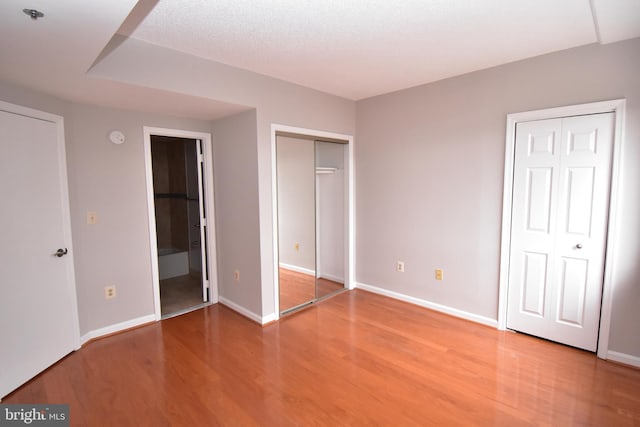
column 361, row 48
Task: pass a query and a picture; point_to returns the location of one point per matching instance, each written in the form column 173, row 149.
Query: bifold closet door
column 559, row 227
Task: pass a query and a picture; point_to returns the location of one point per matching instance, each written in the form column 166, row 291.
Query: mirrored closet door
column 312, row 189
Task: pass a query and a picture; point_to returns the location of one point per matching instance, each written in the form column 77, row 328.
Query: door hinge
column 203, row 222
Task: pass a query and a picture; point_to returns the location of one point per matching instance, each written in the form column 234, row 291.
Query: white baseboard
column 331, row 277
column 430, row 305
column 626, row 359
column 297, row 269
column 269, row 318
column 117, row 327
column 244, row 311
column 122, row 326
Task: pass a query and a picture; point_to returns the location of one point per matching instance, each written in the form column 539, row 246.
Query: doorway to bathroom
column 178, row 209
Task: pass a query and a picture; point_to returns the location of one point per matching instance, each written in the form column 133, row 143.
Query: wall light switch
column 92, row 218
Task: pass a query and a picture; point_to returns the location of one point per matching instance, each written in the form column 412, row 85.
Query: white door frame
column 66, row 213
column 209, row 205
column 618, row 107
column 350, row 226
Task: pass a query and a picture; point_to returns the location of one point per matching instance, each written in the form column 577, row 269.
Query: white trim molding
column 246, row 312
column 208, row 183
column 430, row 305
column 623, row 358
column 350, row 272
column 297, row 269
column 117, row 327
column 616, row 106
column 331, row 277
column 310, row 272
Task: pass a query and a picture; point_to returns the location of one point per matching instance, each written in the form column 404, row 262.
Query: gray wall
column 110, row 180
column 145, row 65
column 237, row 224
column 23, row 96
column 430, row 164
column 142, row 64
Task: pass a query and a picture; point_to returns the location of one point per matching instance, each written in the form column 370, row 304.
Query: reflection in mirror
column 330, row 217
column 295, row 169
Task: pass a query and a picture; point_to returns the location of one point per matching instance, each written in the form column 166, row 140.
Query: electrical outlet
column 400, row 266
column 236, row 275
column 110, row 292
column 92, row 218
column 439, row 274
column 297, row 247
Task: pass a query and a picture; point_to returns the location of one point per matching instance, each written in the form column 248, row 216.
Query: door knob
column 579, row 246
column 61, row 252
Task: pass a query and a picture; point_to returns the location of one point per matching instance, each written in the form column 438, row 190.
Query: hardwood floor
column 355, row 359
column 327, row 286
column 297, row 288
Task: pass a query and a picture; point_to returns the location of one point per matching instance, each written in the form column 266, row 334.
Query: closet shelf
column 323, row 170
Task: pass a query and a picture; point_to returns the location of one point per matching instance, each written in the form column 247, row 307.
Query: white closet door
column 559, row 226
column 38, row 303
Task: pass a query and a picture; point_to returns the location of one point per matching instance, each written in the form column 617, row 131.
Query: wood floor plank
column 299, row 288
column 355, row 359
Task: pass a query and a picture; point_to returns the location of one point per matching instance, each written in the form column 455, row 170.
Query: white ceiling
column 54, row 53
column 350, row 48
column 362, row 48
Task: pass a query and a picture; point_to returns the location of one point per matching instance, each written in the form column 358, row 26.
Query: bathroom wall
column 169, row 185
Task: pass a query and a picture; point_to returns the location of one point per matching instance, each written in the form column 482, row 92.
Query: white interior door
column 559, row 225
column 38, row 312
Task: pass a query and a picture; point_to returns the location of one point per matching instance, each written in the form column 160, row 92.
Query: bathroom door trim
column 350, row 207
column 209, row 206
